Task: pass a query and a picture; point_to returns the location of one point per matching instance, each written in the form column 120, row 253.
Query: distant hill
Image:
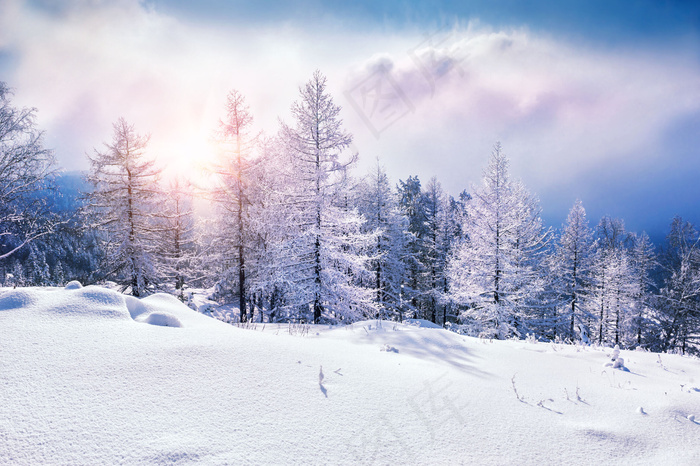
column 71, row 186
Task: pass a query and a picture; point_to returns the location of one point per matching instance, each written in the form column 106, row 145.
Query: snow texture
column 83, row 383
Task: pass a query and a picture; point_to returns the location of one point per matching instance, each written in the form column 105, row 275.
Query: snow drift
column 85, row 380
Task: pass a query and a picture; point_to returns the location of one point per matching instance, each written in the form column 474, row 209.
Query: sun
column 187, row 159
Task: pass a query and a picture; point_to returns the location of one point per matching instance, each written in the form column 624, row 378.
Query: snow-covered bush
column 616, row 362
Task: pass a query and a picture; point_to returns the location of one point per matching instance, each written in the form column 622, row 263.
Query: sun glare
column 187, row 159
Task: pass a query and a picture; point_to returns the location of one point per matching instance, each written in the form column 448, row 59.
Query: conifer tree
column 233, row 196
column 680, row 294
column 643, row 321
column 327, row 252
column 613, row 280
column 379, row 206
column 124, row 206
column 491, row 272
column 178, row 249
column 573, row 258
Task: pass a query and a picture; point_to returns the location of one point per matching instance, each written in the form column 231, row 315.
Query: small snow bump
column 388, row 349
column 691, row 417
column 161, row 319
column 74, row 285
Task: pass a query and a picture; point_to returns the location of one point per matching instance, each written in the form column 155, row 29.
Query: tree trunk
column 241, row 258
column 132, row 237
column 318, row 308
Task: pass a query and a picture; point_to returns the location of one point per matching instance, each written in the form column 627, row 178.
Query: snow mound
column 16, row 299
column 166, row 310
column 135, row 306
column 163, row 299
column 91, row 301
column 421, row 323
column 160, row 318
column 74, row 285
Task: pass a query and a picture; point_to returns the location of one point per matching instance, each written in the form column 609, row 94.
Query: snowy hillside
column 88, row 376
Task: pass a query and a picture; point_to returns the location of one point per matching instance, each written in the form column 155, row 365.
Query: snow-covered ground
column 88, row 376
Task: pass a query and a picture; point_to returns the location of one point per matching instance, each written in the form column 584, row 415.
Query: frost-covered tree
column 441, row 233
column 269, row 284
column 643, row 322
column 25, row 171
column 37, row 267
column 571, row 270
column 412, row 207
column 327, row 252
column 614, row 281
column 531, row 241
column 178, row 246
column 378, row 204
column 680, row 295
column 494, row 272
column 232, row 194
column 124, row 203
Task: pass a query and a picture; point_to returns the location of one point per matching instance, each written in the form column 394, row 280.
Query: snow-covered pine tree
column 232, row 194
column 268, row 232
column 437, row 244
column 378, row 204
column 37, row 270
column 327, row 249
column 456, row 218
column 571, row 270
column 18, row 275
column 680, row 294
column 412, row 207
column 178, row 248
column 613, row 280
column 643, row 321
column 490, row 272
column 531, row 240
column 59, row 274
column 124, row 205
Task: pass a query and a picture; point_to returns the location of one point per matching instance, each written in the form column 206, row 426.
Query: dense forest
column 289, row 234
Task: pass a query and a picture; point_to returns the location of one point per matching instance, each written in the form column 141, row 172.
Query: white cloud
column 559, row 109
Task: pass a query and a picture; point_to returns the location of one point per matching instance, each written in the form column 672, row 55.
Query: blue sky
column 598, row 100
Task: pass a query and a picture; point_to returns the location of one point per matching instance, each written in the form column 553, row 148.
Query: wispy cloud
column 556, row 104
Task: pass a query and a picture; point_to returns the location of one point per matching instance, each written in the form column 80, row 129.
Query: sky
column 591, row 100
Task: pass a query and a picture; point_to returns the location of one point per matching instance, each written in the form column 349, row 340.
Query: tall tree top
column 318, row 117
column 238, row 117
column 496, row 173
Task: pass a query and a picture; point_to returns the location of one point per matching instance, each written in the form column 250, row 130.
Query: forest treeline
column 291, row 235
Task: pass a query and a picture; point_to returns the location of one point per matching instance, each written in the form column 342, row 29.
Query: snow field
column 84, row 380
